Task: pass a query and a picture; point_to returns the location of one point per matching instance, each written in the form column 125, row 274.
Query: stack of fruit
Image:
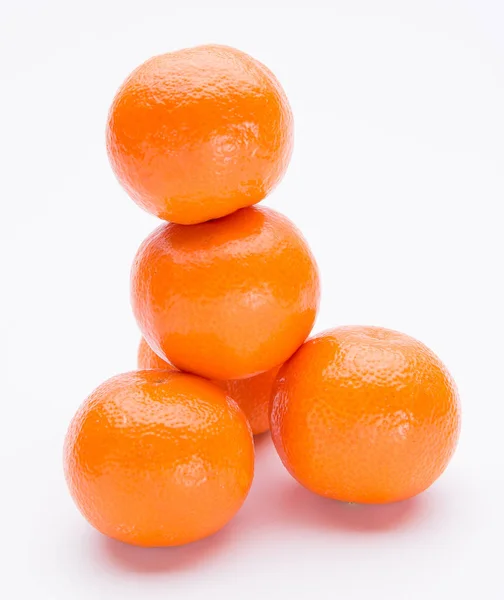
column 225, row 295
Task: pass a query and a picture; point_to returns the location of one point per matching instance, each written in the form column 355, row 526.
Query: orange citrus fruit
column 158, row 458
column 229, row 298
column 365, row 414
column 148, row 359
column 252, row 394
column 195, row 134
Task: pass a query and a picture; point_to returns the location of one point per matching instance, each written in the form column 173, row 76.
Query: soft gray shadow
column 164, row 560
column 301, row 506
column 278, row 501
column 262, row 442
column 124, row 557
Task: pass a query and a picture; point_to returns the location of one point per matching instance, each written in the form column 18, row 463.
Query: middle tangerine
column 228, row 298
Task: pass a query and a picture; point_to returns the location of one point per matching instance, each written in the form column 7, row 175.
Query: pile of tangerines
column 225, row 294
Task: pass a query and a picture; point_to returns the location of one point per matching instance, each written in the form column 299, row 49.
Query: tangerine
column 365, row 414
column 195, row 134
column 158, row 458
column 229, row 298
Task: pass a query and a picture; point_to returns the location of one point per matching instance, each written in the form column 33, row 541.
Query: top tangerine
column 196, row 134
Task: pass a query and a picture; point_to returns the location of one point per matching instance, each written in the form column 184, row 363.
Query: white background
column 397, row 181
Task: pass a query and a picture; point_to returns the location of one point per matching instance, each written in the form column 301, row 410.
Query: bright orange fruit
column 229, row 298
column 365, row 414
column 196, row 134
column 252, row 395
column 155, row 458
column 148, row 359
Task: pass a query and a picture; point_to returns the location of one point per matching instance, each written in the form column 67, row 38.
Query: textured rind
column 154, row 458
column 365, row 414
column 195, row 134
column 253, row 394
column 226, row 299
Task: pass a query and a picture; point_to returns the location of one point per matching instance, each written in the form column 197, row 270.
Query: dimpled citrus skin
column 365, row 414
column 154, row 458
column 229, row 298
column 253, row 394
column 195, row 134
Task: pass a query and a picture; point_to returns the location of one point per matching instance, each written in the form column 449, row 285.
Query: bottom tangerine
column 365, row 414
column 155, row 458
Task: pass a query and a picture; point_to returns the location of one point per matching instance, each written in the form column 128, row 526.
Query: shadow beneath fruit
column 133, row 559
column 277, row 501
column 261, row 441
column 301, row 506
column 276, row 506
column 124, row 557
